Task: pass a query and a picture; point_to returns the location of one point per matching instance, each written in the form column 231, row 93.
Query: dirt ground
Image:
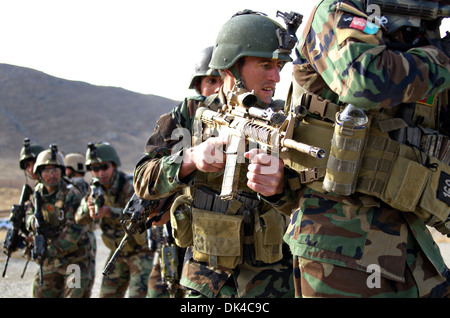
column 13, row 286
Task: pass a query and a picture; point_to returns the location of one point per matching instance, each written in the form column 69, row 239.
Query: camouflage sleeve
column 355, row 64
column 68, row 239
column 156, row 174
column 82, row 214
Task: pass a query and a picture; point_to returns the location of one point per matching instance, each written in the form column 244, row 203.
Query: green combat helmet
column 49, row 157
column 250, row 33
column 201, row 67
column 101, row 152
column 75, row 161
column 29, row 152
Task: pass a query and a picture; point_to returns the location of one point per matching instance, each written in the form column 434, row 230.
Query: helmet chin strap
column 235, row 73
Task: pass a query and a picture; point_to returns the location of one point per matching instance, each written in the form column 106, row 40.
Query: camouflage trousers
column 72, row 280
column 245, row 281
column 318, row 279
column 130, row 271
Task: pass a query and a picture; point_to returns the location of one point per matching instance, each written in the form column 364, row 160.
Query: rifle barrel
column 305, row 148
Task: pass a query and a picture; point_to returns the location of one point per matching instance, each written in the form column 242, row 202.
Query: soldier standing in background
column 75, row 171
column 359, row 229
column 61, row 247
column 134, row 264
column 28, row 155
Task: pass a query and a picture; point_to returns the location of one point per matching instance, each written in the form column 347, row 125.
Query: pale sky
column 141, row 45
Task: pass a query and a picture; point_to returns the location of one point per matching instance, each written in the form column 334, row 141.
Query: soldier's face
column 103, row 171
column 261, row 76
column 51, row 175
column 29, row 170
column 210, row 85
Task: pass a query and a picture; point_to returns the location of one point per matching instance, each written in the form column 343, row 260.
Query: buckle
column 318, row 105
column 308, row 175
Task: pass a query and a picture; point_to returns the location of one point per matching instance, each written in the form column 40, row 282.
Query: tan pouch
column 405, row 184
column 180, row 220
column 434, row 205
column 217, row 238
column 269, row 238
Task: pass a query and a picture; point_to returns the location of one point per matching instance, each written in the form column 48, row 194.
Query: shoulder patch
column 358, row 23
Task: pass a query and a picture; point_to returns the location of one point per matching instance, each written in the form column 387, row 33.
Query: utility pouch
column 180, row 220
column 406, row 182
column 217, row 238
column 434, row 205
column 424, row 190
column 269, row 236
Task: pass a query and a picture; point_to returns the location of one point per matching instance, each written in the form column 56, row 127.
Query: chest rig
column 399, row 156
column 53, row 210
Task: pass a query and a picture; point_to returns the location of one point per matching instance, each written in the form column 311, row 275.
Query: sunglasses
column 103, row 166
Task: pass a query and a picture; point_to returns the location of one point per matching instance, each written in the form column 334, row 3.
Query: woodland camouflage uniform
column 68, row 243
column 335, row 238
column 134, row 264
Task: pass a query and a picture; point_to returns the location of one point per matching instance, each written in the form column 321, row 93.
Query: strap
column 317, row 105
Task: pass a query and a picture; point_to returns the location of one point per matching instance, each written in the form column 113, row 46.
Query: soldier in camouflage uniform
column 254, row 268
column 134, row 264
column 75, row 171
column 28, row 155
column 67, row 242
column 361, row 232
column 205, row 82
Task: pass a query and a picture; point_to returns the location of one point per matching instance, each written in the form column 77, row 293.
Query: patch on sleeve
column 443, row 192
column 357, row 23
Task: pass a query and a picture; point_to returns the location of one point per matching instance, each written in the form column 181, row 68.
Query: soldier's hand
column 206, row 157
column 265, row 173
column 104, row 211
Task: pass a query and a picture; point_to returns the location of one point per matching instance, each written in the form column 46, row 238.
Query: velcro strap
column 347, row 166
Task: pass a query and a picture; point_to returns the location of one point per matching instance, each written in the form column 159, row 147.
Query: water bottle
column 347, row 146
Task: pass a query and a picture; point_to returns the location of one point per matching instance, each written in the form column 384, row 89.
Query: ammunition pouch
column 217, row 238
column 227, row 232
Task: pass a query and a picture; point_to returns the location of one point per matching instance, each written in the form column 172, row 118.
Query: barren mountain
column 71, row 114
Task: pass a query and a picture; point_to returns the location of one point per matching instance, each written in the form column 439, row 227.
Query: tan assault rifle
column 244, row 123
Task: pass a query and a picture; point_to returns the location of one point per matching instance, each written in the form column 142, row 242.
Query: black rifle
column 14, row 238
column 98, row 197
column 137, row 210
column 40, row 241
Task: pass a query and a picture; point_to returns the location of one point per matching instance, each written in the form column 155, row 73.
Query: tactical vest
column 226, row 232
column 406, row 175
column 53, row 210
